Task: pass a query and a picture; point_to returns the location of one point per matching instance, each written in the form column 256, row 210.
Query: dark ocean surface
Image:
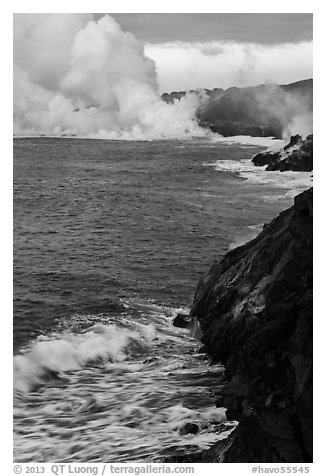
column 110, row 239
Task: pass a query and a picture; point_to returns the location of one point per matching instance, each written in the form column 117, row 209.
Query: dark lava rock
column 202, row 350
column 295, row 140
column 266, row 158
column 182, row 320
column 255, row 311
column 219, row 401
column 297, row 155
column 189, row 428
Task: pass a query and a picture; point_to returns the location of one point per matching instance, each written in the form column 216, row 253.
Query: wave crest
column 52, row 356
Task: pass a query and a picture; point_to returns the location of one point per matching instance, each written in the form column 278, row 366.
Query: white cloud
column 74, row 75
column 184, row 66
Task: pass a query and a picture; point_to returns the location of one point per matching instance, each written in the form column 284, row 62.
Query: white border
column 168, row 6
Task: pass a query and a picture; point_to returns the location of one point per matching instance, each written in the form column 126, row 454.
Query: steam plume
column 74, row 75
column 292, row 110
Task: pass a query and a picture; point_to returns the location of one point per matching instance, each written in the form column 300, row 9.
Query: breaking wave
column 52, row 356
column 115, row 392
column 292, row 182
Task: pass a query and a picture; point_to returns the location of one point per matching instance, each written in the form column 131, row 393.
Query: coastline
column 254, row 308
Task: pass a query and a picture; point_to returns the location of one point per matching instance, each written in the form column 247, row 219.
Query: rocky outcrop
column 297, row 155
column 254, row 308
column 264, row 110
column 182, row 320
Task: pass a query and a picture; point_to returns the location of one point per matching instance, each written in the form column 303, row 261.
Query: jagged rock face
column 297, row 155
column 255, row 311
column 294, row 140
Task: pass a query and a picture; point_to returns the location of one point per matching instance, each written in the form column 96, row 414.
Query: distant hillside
column 211, row 93
column 265, row 110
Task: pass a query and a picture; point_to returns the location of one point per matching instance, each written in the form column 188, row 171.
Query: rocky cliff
column 264, row 110
column 254, row 308
column 297, row 155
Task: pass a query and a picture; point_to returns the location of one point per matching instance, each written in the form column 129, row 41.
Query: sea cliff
column 254, row 310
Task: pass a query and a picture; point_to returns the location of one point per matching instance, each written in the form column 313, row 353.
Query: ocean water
column 110, row 239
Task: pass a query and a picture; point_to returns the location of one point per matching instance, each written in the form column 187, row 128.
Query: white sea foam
column 73, row 351
column 270, row 142
column 292, row 182
column 131, row 405
column 179, row 414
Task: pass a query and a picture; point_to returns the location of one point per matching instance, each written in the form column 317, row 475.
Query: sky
column 102, row 74
column 271, row 28
column 222, row 49
column 207, row 50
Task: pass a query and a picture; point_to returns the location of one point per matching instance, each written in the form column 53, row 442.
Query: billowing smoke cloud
column 74, row 75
